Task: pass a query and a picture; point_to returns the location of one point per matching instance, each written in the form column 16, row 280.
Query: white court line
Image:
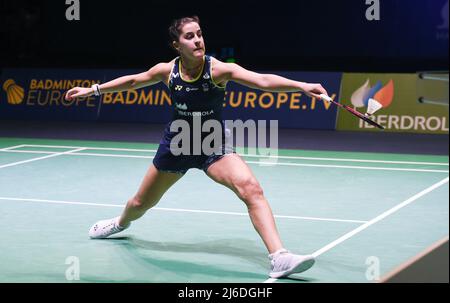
column 92, row 147
column 374, row 220
column 28, row 152
column 12, row 147
column 179, row 210
column 347, row 160
column 349, row 166
column 252, row 162
column 40, row 158
column 252, row 155
column 79, row 154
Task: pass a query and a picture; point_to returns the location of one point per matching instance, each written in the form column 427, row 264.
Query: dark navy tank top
column 200, row 97
column 195, row 101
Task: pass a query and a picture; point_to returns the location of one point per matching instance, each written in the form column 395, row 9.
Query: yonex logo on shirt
column 178, row 87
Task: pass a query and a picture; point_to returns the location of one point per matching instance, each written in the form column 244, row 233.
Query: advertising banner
column 401, row 110
column 39, row 94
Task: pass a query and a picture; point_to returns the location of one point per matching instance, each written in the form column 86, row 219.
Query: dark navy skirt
column 167, row 161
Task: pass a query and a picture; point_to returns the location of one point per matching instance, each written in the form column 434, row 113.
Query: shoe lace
column 277, row 253
column 114, row 228
column 273, row 257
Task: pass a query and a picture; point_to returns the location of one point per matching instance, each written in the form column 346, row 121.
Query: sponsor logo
column 205, row 87
column 206, row 76
column 181, row 106
column 196, row 114
column 188, row 89
column 14, row 93
column 178, row 87
column 383, row 94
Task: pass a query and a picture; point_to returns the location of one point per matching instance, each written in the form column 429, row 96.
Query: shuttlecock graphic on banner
column 360, row 94
column 373, row 106
column 14, row 92
column 375, row 97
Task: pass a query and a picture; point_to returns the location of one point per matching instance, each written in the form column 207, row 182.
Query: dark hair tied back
column 177, row 25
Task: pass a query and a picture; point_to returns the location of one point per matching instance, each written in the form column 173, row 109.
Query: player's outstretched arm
column 157, row 73
column 267, row 82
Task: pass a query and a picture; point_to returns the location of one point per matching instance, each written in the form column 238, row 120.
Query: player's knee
column 249, row 189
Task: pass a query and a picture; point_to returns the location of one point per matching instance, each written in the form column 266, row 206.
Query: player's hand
column 314, row 90
column 78, row 92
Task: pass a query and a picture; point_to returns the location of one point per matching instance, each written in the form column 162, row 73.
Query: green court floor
column 361, row 214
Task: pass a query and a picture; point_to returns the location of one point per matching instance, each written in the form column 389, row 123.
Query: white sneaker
column 105, row 228
column 285, row 263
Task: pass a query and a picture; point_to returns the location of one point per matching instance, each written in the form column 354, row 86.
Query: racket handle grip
column 325, row 97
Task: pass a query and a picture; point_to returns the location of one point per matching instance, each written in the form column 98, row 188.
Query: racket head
column 363, row 117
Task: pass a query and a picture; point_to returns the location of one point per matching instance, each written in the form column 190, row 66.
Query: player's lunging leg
column 234, row 173
column 153, row 187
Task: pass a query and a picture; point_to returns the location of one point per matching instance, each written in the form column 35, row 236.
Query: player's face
column 191, row 41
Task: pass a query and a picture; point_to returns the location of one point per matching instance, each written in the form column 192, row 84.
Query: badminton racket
column 352, row 111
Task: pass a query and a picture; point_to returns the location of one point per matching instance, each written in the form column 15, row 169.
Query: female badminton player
column 197, row 85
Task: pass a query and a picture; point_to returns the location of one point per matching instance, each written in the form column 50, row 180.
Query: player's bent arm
column 267, row 82
column 157, row 73
column 154, row 75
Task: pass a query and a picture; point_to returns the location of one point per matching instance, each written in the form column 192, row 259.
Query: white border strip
column 178, row 210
